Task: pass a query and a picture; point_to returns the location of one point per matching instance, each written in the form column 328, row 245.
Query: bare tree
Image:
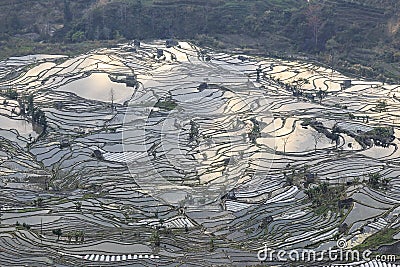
column 112, row 98
column 285, row 141
column 317, row 138
column 313, row 14
column 301, row 82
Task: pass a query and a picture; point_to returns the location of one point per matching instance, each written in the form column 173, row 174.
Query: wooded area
column 360, row 36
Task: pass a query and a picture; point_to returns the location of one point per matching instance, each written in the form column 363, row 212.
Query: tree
column 332, row 45
column 255, row 131
column 317, row 138
column 194, row 131
column 285, row 141
column 78, row 36
column 69, row 236
column 320, row 94
column 30, row 107
column 26, row 226
column 313, row 14
column 373, row 179
column 381, row 106
column 156, row 238
column 302, row 81
column 79, row 235
column 67, row 12
column 78, row 205
column 38, row 202
column 298, row 86
column 376, row 180
column 11, row 93
column 58, row 233
column 13, row 23
column 112, row 98
column 39, row 117
column 212, row 246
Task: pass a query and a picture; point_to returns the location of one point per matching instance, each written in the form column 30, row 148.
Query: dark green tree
column 67, row 12
column 58, row 233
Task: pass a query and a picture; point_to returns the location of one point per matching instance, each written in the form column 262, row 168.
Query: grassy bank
column 21, row 47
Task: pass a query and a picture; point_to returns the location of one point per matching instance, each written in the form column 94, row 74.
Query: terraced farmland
column 181, row 156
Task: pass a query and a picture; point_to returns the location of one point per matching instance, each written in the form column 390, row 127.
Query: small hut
column 136, row 43
column 170, row 43
column 64, row 143
column 160, row 53
column 202, row 86
column 97, row 154
column 267, row 220
column 345, row 203
column 345, row 84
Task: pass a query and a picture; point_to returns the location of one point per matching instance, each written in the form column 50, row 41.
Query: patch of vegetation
column 167, row 104
column 301, row 178
column 337, row 105
column 194, row 131
column 212, row 245
column 24, row 226
column 28, row 210
column 377, row 181
column 27, row 108
column 378, row 239
column 360, row 37
column 325, row 197
column 381, row 132
column 89, row 196
column 381, row 106
column 58, row 233
column 15, row 46
column 320, row 128
column 10, row 94
column 78, row 205
column 155, row 238
column 38, row 202
column 381, row 135
column 78, row 236
column 255, row 131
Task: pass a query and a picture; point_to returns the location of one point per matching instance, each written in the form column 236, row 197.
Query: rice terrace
column 175, row 154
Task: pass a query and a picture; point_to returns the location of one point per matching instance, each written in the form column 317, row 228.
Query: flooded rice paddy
column 182, row 159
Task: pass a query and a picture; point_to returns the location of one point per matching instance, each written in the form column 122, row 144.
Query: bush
column 78, row 36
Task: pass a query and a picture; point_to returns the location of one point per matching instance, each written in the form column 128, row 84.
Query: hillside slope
column 360, row 36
